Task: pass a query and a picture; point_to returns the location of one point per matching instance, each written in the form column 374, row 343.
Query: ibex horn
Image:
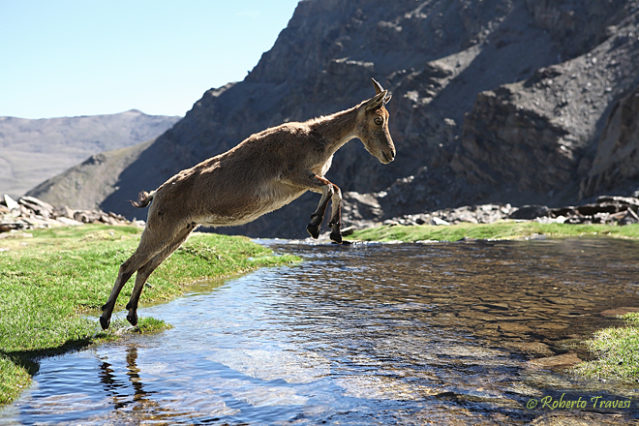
column 378, row 87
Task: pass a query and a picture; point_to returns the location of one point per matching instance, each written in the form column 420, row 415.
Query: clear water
column 371, row 333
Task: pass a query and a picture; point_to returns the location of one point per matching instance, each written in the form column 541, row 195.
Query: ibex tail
column 144, row 198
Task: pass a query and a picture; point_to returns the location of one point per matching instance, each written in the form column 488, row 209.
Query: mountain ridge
column 493, row 101
column 32, row 150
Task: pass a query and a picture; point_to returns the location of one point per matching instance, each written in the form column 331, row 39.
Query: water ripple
column 373, row 333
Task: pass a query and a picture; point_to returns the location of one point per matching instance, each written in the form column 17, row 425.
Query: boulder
column 531, row 211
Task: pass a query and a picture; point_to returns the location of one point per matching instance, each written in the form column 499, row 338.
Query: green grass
column 506, row 230
column 617, row 351
column 50, row 281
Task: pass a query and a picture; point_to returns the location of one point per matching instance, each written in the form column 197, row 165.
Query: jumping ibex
column 264, row 172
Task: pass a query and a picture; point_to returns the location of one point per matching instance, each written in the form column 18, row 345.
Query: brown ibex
column 264, row 172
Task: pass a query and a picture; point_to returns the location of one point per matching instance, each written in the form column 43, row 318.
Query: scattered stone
column 614, row 313
column 5, row 227
column 437, row 221
column 608, row 209
column 555, row 362
column 538, row 349
column 629, row 218
column 67, row 221
column 10, row 203
column 485, row 213
column 30, row 212
column 532, row 211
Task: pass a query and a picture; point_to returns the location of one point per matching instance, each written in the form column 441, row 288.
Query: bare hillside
column 34, row 150
column 519, row 101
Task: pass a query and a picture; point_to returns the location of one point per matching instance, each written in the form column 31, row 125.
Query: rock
column 616, row 312
column 530, row 212
column 68, row 222
column 616, row 160
column 555, row 362
column 37, row 206
column 438, row 221
column 6, row 227
column 33, row 213
column 529, row 348
column 628, row 218
column 629, row 201
column 10, row 203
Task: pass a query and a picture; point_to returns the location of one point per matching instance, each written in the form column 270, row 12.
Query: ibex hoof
column 336, row 236
column 313, row 230
column 132, row 318
column 104, row 322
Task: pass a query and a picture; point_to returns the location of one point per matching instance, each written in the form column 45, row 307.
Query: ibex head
column 373, row 125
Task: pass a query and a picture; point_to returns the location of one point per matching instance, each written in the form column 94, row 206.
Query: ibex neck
column 337, row 129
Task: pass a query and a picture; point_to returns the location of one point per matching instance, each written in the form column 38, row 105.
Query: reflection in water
column 120, row 391
column 371, row 333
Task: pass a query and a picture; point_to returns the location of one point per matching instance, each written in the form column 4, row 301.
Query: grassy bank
column 50, row 278
column 507, row 230
column 617, row 351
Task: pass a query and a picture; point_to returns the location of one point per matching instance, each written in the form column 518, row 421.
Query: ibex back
column 263, row 173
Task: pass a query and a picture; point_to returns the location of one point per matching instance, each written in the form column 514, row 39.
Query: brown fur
column 264, row 172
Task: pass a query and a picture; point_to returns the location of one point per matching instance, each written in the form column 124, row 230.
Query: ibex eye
column 379, row 120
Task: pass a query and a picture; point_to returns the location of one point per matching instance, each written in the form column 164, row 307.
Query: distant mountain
column 34, row 150
column 521, row 101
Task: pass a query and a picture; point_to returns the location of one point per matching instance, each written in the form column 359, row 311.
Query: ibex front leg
column 329, row 190
column 336, row 215
column 318, row 215
column 332, row 191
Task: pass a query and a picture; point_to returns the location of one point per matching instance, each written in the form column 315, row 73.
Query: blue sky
column 85, row 57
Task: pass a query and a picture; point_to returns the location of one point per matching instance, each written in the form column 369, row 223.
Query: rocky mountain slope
column 34, row 150
column 520, row 101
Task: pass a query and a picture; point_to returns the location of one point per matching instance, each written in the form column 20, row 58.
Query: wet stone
column 555, row 362
column 514, row 327
column 537, row 349
column 616, row 312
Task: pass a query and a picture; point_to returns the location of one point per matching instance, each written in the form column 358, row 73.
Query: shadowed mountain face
column 34, row 150
column 495, row 100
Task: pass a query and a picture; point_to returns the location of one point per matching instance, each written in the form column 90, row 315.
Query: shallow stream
column 371, row 333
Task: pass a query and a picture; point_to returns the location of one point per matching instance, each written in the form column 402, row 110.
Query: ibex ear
column 377, row 101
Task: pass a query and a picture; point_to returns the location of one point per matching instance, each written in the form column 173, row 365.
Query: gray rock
column 530, row 212
column 10, row 202
column 438, row 221
column 31, row 213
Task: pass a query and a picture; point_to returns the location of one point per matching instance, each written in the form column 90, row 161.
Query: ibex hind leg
column 127, row 269
column 145, row 271
column 151, row 243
